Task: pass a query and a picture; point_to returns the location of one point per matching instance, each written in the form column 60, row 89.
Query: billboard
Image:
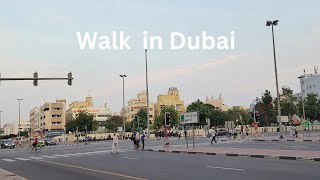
column 189, row 117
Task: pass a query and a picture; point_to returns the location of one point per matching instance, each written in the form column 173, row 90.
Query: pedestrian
column 143, row 137
column 137, row 139
column 213, row 136
column 115, row 143
column 292, row 132
column 247, row 132
column 185, row 133
column 179, row 135
column 133, row 138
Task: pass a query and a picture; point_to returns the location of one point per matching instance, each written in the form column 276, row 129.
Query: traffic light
column 257, row 116
column 35, row 81
column 167, row 119
column 70, row 79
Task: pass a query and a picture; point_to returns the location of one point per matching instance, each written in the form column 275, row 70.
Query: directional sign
column 306, row 124
column 189, row 117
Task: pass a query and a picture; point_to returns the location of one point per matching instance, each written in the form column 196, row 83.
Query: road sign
column 189, row 117
column 306, row 124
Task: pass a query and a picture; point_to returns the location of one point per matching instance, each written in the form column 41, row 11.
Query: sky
column 41, row 36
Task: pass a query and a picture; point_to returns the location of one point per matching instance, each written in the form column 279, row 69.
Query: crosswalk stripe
column 60, row 155
column 8, row 160
column 51, row 157
column 23, row 159
column 32, row 157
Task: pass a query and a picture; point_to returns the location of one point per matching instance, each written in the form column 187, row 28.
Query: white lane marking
column 8, row 160
column 23, row 159
column 51, row 157
column 225, row 168
column 32, row 157
column 129, row 158
column 60, row 155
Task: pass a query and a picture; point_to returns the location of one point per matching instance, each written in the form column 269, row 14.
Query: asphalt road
column 95, row 161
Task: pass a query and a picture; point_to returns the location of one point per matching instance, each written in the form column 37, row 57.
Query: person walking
column 247, row 132
column 137, row 139
column 179, row 135
column 214, row 134
column 115, row 143
column 143, row 137
column 133, row 138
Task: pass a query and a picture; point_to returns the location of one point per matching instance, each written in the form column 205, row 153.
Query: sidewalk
column 6, row 175
column 246, row 152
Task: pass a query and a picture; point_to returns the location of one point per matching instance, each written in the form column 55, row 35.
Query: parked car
column 222, row 132
column 7, row 143
column 50, row 142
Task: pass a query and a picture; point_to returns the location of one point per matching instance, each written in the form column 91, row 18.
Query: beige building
column 134, row 106
column 100, row 114
column 13, row 128
column 48, row 118
column 170, row 99
column 217, row 103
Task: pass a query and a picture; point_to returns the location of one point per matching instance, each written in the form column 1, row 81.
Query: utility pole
column 19, row 126
column 147, row 89
column 0, row 123
column 123, row 105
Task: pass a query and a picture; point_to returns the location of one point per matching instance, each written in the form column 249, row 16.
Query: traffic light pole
column 35, row 79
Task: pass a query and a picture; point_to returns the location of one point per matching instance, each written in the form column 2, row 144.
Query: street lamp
column 123, row 105
column 0, row 123
column 19, row 138
column 147, row 89
column 274, row 23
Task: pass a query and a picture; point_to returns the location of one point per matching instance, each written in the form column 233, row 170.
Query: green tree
column 236, row 112
column 288, row 102
column 82, row 120
column 142, row 115
column 159, row 121
column 312, row 106
column 205, row 111
column 266, row 109
column 113, row 123
column 218, row 118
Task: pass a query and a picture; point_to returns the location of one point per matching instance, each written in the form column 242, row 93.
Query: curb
column 236, row 155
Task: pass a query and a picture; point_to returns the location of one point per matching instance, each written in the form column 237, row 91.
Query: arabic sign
column 189, row 117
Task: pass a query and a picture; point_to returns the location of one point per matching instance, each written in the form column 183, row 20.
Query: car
column 222, row 132
column 50, row 142
column 7, row 143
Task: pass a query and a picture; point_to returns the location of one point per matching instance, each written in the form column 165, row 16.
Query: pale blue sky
column 41, row 36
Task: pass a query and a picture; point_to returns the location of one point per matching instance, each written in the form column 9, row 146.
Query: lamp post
column 0, row 123
column 147, row 89
column 19, row 126
column 275, row 23
column 123, row 105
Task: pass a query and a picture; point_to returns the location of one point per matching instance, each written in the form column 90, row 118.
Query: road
column 95, row 161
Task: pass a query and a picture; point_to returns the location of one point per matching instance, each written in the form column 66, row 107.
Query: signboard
column 54, row 133
column 189, row 117
column 120, row 129
column 283, row 119
column 306, row 124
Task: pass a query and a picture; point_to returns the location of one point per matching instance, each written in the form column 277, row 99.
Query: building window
column 46, row 109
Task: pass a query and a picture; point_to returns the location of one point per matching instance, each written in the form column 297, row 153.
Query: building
column 49, row 118
column 170, row 99
column 8, row 129
column 217, row 103
column 100, row 114
column 310, row 83
column 134, row 106
column 13, row 128
column 35, row 120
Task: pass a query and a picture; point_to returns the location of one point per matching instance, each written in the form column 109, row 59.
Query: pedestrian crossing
column 55, row 156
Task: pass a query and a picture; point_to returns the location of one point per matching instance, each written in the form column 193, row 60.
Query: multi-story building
column 13, row 128
column 49, row 118
column 217, row 103
column 310, row 83
column 35, row 120
column 100, row 114
column 8, row 129
column 134, row 106
column 170, row 99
